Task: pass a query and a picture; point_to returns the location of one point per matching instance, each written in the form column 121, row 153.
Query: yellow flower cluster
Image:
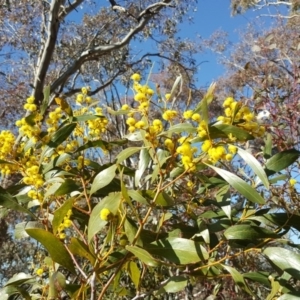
column 105, row 214
column 31, row 131
column 65, row 224
column 29, row 105
column 7, row 140
column 54, row 119
column 293, row 181
column 32, row 176
column 241, row 116
column 217, row 152
column 99, row 125
column 187, row 153
column 153, row 131
column 83, row 97
column 169, row 115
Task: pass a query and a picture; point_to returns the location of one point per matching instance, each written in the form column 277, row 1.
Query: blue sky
column 212, row 15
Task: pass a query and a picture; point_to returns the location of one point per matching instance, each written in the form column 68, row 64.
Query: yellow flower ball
column 206, row 145
column 39, row 272
column 105, row 214
column 168, row 96
column 293, row 181
column 125, row 107
column 136, row 77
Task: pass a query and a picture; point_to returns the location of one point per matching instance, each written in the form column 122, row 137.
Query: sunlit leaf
column 144, row 160
column 111, row 202
column 248, row 232
column 124, row 154
column 143, row 255
column 254, row 165
column 103, row 179
column 238, row 279
column 54, row 246
column 284, row 259
column 77, row 247
column 134, row 273
column 281, row 160
column 179, row 250
column 240, row 185
column 60, row 213
column 173, row 285
column 61, row 135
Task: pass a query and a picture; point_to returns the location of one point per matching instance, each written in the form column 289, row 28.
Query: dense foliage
column 162, row 226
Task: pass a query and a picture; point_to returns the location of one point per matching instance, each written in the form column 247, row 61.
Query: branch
column 70, row 8
column 48, row 49
column 98, row 51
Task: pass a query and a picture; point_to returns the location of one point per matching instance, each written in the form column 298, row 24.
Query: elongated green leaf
column 261, row 277
column 127, row 153
column 45, row 102
column 173, row 285
column 143, row 255
column 290, row 296
column 255, row 166
column 61, row 135
column 268, row 146
column 60, row 213
column 101, row 144
column 238, row 279
column 111, row 202
column 223, row 130
column 77, row 247
column 178, row 128
column 134, row 273
column 179, row 250
column 54, row 246
column 240, row 185
column 20, row 278
column 284, row 259
column 103, row 179
column 8, row 291
column 67, row 187
column 136, row 196
column 84, row 118
column 55, row 162
column 7, row 201
column 144, row 160
column 281, row 161
column 248, row 232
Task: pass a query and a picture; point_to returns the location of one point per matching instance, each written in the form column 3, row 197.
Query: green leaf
column 223, row 130
column 143, row 256
column 20, row 278
column 101, row 144
column 84, row 118
column 255, row 166
column 134, row 273
column 179, row 250
column 67, row 187
column 136, row 196
column 248, row 232
column 178, row 128
column 103, row 179
column 79, row 248
column 60, row 213
column 268, row 146
column 54, row 246
column 284, row 259
column 45, row 102
column 261, row 277
column 240, row 185
column 144, row 160
column 55, row 162
column 61, row 135
column 173, row 285
column 238, row 279
column 281, row 160
column 290, row 296
column 111, row 202
column 10, row 290
column 127, row 153
column 7, row 201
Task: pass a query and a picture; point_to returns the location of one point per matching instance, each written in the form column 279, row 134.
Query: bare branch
column 98, row 51
column 44, row 61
